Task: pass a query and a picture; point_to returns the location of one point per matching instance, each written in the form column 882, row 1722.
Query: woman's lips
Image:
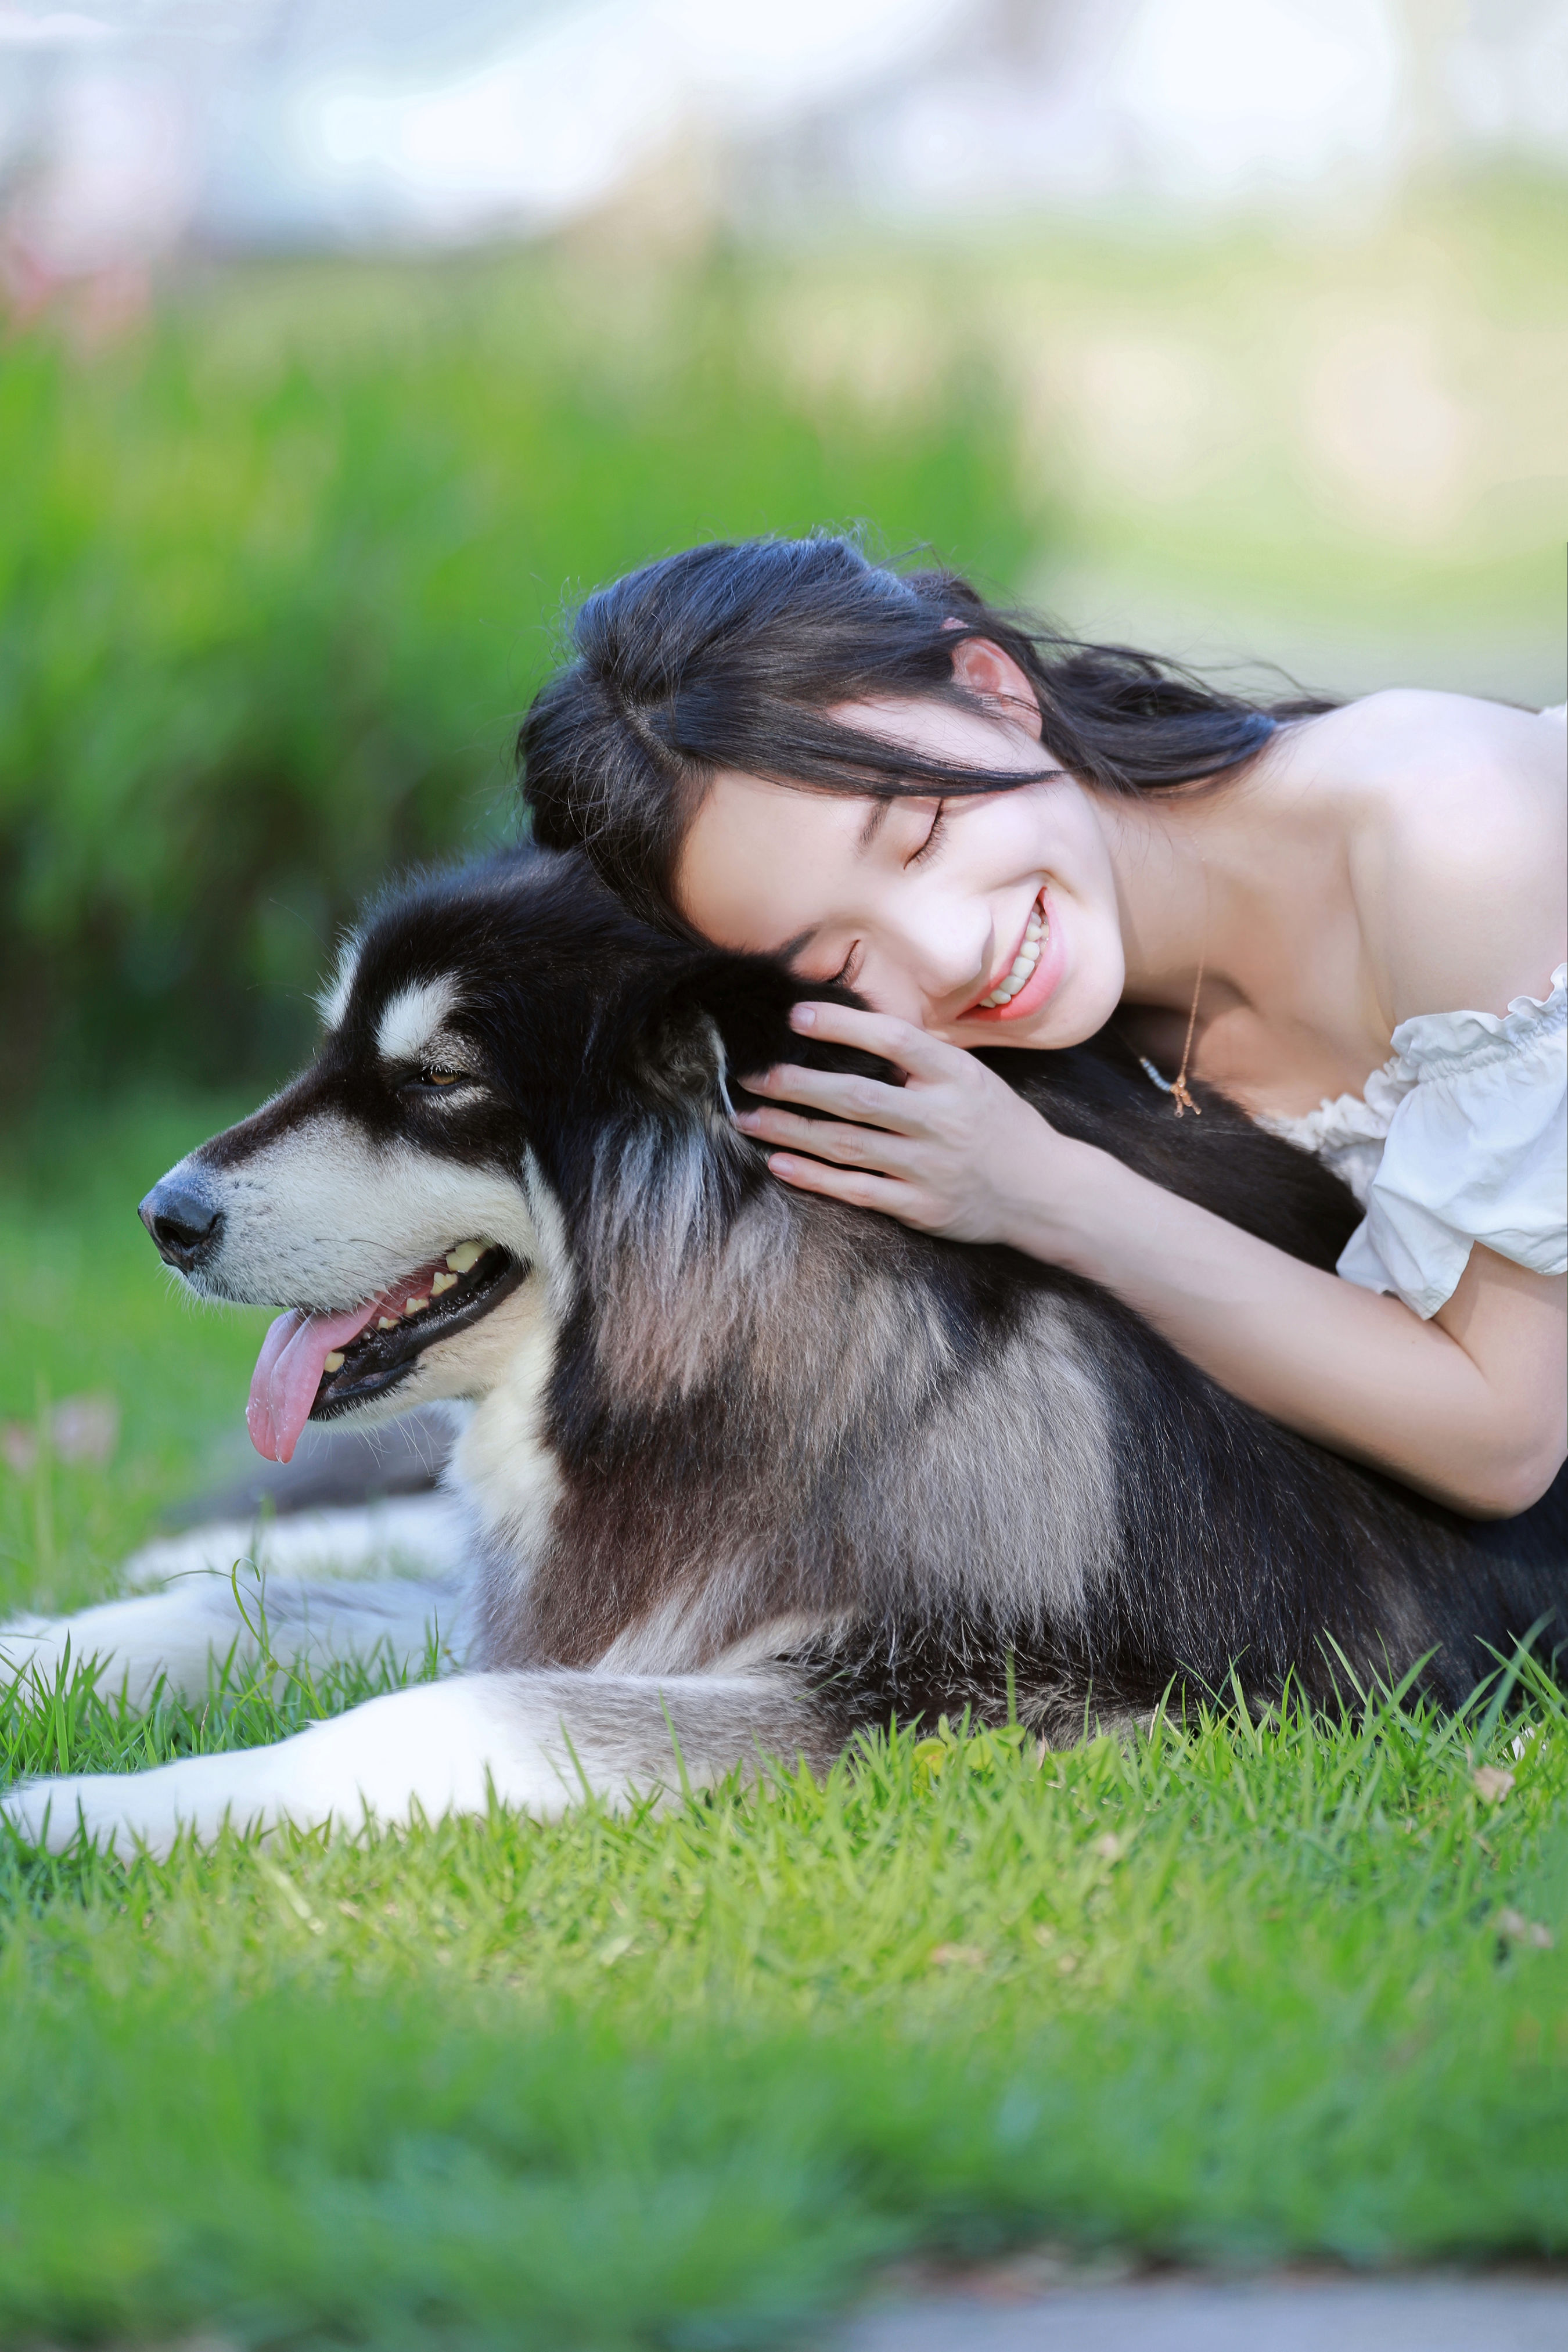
column 1041, row 982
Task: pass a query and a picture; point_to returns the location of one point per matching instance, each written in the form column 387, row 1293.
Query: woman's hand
column 952, row 1152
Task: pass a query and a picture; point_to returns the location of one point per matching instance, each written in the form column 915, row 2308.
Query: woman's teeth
column 1037, row 934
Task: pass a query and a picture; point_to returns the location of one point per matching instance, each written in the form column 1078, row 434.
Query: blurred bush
column 279, row 569
column 278, row 572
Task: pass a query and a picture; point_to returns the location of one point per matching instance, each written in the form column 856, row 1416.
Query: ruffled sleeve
column 1476, row 1151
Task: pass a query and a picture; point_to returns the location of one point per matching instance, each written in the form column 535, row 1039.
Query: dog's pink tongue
column 289, row 1372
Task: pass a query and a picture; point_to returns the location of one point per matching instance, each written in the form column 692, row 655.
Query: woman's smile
column 1030, row 980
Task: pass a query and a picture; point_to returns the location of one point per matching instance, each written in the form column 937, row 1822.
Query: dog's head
column 407, row 1198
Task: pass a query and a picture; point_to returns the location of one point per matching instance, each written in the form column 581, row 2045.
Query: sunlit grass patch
column 678, row 2074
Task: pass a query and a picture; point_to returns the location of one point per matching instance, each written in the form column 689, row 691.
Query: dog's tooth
column 414, row 1306
column 334, row 1362
column 466, row 1257
column 441, row 1282
column 386, row 1323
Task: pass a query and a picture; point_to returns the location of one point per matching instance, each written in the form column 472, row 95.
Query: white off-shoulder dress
column 1461, row 1137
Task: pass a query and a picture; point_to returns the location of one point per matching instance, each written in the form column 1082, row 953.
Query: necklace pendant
column 1182, row 1100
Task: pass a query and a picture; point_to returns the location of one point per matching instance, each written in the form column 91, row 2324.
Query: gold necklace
column 1177, row 1088
column 1182, row 1098
column 1182, row 1101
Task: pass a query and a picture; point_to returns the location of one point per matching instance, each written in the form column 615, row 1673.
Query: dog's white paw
column 127, row 1813
column 51, row 1813
column 34, row 1646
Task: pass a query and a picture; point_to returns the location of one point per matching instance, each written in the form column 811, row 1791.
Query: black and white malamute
column 743, row 1471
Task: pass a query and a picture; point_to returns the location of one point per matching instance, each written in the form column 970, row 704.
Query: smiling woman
column 931, row 906
column 1352, row 920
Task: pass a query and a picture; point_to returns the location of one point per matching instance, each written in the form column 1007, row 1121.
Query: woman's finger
column 849, row 1147
column 855, row 1186
column 869, row 1101
column 898, row 1042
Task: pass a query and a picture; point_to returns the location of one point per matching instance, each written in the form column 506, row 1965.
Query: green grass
column 685, row 2078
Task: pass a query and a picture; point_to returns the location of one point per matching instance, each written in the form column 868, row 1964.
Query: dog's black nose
column 183, row 1223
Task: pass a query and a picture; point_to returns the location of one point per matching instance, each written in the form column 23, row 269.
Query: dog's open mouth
column 312, row 1366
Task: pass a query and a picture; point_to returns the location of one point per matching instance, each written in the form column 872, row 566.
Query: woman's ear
column 985, row 670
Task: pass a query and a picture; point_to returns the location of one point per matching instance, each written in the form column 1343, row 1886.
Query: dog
column 743, row 1472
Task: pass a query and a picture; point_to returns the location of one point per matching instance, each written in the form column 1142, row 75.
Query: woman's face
column 987, row 922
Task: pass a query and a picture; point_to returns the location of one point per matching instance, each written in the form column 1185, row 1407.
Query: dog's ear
column 749, row 999
column 728, row 1020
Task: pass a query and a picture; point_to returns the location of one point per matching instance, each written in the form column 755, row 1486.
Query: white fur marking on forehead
column 412, row 1019
column 332, row 1001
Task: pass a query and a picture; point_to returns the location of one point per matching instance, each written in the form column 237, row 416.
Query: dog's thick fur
column 745, row 1470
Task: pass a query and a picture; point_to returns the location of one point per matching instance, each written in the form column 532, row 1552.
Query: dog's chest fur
column 759, row 1422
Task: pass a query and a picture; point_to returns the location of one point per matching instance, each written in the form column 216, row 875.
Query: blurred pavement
column 1386, row 2315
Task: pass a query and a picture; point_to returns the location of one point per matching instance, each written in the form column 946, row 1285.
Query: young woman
column 1351, row 919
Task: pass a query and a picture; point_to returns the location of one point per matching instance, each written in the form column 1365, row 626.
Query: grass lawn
column 683, row 2079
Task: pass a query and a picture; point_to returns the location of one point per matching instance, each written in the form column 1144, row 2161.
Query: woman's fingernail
column 803, row 1016
column 748, row 1120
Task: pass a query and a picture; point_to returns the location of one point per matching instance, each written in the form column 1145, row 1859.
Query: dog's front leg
column 206, row 1623
column 533, row 1739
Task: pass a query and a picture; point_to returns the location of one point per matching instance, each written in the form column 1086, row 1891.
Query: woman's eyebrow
column 878, row 818
column 789, row 948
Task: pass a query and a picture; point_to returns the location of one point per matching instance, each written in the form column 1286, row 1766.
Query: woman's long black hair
column 730, row 657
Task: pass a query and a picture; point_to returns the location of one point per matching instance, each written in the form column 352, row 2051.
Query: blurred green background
column 283, row 554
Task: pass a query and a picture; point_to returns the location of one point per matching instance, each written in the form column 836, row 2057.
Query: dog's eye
column 444, row 1077
column 436, row 1081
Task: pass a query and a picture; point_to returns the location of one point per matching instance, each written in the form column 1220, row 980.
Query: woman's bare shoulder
column 1422, row 737
column 1456, row 814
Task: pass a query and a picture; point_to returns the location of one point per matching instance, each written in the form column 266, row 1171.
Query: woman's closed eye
column 930, row 842
column 934, row 837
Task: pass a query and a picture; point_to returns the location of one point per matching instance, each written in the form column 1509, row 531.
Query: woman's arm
column 1471, row 1408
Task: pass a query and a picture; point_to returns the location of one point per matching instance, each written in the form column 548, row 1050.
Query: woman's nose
column 944, row 950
